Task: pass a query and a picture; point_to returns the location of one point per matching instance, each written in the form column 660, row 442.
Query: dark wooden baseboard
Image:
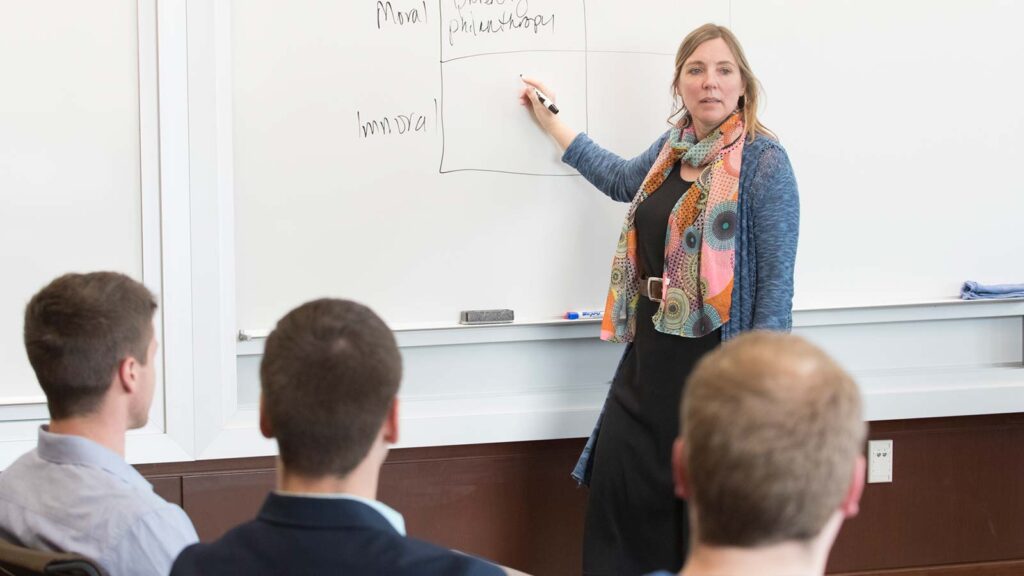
column 956, row 506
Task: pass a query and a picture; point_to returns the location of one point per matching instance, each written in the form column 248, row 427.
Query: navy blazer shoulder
column 296, row 535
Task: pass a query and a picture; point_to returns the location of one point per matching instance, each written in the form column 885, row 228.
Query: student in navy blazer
column 329, row 377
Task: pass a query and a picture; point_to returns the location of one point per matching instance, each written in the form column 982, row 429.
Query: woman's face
column 710, row 85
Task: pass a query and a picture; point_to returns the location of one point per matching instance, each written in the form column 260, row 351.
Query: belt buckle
column 651, row 293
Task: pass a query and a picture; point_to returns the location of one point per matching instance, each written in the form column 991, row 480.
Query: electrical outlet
column 879, row 461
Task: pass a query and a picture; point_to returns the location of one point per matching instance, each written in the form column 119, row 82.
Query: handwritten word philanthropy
column 479, row 17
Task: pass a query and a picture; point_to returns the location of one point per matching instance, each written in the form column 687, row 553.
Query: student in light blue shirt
column 91, row 342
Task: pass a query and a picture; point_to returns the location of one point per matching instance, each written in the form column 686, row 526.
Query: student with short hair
column 91, row 342
column 329, row 376
column 770, row 456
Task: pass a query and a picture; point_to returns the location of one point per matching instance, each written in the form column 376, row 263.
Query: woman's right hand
column 550, row 122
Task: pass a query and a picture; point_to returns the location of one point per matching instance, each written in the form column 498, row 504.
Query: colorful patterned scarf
column 697, row 291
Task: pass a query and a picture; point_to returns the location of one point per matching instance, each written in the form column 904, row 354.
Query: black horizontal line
column 443, row 61
column 502, row 172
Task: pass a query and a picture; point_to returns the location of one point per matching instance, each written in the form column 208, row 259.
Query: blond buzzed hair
column 772, row 428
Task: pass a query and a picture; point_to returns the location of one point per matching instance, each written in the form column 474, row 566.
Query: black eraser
column 486, row 316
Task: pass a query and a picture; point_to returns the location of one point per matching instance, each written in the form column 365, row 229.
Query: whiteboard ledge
column 945, row 309
column 23, row 400
column 450, row 333
column 250, row 342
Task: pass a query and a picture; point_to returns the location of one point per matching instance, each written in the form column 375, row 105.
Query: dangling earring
column 680, row 114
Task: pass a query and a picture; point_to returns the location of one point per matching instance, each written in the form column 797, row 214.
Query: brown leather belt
column 651, row 288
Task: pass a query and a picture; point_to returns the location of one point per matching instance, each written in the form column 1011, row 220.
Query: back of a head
column 330, row 371
column 772, row 428
column 77, row 331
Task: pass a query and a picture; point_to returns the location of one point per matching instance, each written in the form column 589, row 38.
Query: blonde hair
column 772, row 428
column 752, row 93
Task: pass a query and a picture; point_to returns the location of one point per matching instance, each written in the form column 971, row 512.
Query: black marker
column 544, row 100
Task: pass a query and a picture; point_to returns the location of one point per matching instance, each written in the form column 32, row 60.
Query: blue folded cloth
column 975, row 291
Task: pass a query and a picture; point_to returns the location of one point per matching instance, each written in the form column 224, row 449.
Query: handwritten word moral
column 387, row 14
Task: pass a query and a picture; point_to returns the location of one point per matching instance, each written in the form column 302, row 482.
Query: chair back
column 19, row 561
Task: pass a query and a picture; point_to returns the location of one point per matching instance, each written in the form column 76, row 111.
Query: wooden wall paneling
column 957, row 496
column 217, row 502
column 514, row 504
column 168, row 481
column 956, row 505
column 1011, row 568
column 167, row 487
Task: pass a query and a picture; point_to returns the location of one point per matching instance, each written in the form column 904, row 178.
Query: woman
column 706, row 252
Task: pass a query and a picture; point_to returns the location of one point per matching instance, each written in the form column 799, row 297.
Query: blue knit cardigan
column 765, row 244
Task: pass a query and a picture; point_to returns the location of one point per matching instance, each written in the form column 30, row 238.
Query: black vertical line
column 440, row 66
column 586, row 71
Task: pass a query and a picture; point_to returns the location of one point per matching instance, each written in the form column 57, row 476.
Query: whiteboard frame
column 163, row 143
column 173, row 255
column 226, row 428
column 212, row 179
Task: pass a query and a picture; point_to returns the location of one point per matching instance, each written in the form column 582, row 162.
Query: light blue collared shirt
column 71, row 494
column 390, row 514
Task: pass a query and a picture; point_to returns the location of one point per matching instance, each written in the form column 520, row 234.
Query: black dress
column 634, row 522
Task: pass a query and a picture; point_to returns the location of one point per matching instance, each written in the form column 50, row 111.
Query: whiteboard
column 70, row 192
column 380, row 154
column 901, row 121
column 449, row 214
